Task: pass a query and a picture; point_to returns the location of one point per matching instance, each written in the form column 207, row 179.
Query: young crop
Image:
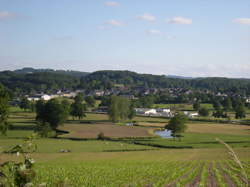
column 204, row 174
column 219, row 178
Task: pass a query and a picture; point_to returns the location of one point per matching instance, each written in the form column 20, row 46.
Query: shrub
column 101, row 136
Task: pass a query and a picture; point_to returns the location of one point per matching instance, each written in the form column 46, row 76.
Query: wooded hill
column 32, row 80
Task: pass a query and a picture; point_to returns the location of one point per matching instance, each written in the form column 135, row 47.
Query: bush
column 101, row 136
column 203, row 111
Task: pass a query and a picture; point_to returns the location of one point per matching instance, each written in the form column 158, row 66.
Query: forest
column 29, row 81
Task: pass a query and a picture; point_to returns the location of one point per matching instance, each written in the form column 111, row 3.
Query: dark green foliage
column 25, row 104
column 240, row 112
column 4, row 110
column 78, row 107
column 132, row 112
column 44, row 130
column 90, row 100
column 52, row 112
column 107, row 79
column 196, row 106
column 219, row 114
column 105, row 101
column 49, row 80
column 203, row 112
column 177, row 125
column 227, row 104
column 217, row 105
column 120, row 109
column 36, row 82
column 146, row 101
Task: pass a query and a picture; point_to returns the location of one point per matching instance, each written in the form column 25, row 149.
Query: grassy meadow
column 132, row 155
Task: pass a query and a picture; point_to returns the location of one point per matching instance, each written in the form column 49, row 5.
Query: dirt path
column 211, row 181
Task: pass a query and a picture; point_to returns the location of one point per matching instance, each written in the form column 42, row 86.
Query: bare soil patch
column 211, row 181
column 108, row 129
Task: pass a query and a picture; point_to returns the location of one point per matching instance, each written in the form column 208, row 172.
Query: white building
column 164, row 110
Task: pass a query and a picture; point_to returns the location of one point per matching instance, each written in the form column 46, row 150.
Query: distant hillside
column 28, row 80
column 67, row 72
column 107, row 79
column 178, row 77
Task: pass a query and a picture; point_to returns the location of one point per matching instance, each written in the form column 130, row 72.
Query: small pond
column 164, row 134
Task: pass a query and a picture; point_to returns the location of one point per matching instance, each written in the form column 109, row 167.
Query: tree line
column 47, row 81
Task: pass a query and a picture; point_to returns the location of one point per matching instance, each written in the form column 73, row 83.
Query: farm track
column 211, row 181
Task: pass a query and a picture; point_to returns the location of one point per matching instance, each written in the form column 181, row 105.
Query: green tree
column 4, row 110
column 217, row 105
column 203, row 112
column 25, row 104
column 196, row 106
column 78, row 107
column 90, row 100
column 220, row 114
column 132, row 112
column 52, row 112
column 177, row 125
column 227, row 104
column 120, row 109
column 240, row 112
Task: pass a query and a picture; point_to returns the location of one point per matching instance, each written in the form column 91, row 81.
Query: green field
column 132, row 156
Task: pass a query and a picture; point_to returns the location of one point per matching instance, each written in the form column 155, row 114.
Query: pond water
column 164, row 134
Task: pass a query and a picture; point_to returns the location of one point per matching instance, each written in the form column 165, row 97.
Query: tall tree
column 196, row 105
column 120, row 109
column 217, row 105
column 25, row 104
column 78, row 107
column 203, row 111
column 90, row 100
column 227, row 104
column 177, row 125
column 240, row 112
column 4, row 110
column 52, row 112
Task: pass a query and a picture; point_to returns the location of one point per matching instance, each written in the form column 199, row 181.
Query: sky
column 198, row 38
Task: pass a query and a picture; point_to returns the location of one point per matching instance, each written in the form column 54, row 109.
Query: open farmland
column 132, row 156
column 108, row 129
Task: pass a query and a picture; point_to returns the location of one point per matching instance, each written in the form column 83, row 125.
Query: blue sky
column 181, row 37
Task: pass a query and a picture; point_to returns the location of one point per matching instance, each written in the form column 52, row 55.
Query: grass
column 182, row 107
column 199, row 140
column 213, row 128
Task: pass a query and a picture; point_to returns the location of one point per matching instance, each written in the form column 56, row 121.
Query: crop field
column 132, row 156
column 143, row 173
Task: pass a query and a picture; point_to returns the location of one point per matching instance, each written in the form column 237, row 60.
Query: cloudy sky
column 180, row 37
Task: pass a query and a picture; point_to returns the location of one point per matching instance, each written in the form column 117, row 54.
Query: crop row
column 138, row 173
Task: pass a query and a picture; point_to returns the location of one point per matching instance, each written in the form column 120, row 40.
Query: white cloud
column 180, row 20
column 154, row 32
column 112, row 3
column 147, row 17
column 114, row 22
column 244, row 21
column 6, row 15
